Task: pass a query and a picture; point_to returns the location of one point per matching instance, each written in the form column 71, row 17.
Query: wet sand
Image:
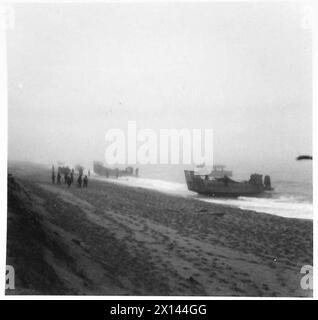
column 111, row 239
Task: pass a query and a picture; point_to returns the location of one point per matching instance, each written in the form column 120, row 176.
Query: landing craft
column 218, row 183
column 100, row 169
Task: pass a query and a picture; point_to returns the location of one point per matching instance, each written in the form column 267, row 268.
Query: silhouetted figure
column 85, row 182
column 58, row 178
column 69, row 180
column 79, row 181
column 72, row 176
column 65, row 178
column 53, row 175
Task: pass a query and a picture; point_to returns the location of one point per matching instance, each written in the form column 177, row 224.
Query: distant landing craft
column 101, row 170
column 218, row 183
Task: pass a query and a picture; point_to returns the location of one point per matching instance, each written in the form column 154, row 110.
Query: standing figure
column 69, row 180
column 72, row 176
column 58, row 178
column 53, row 177
column 79, row 181
column 85, row 182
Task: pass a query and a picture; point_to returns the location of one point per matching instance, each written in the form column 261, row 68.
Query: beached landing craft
column 218, row 183
column 101, row 170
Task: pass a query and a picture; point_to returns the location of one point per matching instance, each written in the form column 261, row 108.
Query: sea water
column 291, row 198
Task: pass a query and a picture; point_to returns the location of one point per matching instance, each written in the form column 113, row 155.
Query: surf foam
column 285, row 206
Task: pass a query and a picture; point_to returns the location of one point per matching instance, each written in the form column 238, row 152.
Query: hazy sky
column 243, row 70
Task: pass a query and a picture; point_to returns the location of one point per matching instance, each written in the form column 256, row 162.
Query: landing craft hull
column 109, row 172
column 219, row 188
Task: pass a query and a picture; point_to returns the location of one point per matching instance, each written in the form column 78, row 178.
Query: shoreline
column 113, row 239
column 191, row 195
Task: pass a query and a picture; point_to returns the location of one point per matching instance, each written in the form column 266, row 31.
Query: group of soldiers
column 67, row 175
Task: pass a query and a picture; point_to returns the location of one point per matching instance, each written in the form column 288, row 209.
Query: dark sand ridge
column 111, row 239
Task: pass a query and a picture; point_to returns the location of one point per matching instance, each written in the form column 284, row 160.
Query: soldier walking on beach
column 53, row 176
column 85, row 182
column 68, row 180
column 65, row 177
column 79, row 181
column 58, row 178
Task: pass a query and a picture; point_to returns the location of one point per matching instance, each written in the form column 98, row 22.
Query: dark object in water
column 226, row 187
column 304, row 157
column 101, row 170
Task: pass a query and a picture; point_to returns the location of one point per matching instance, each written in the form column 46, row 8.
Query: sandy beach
column 111, row 239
